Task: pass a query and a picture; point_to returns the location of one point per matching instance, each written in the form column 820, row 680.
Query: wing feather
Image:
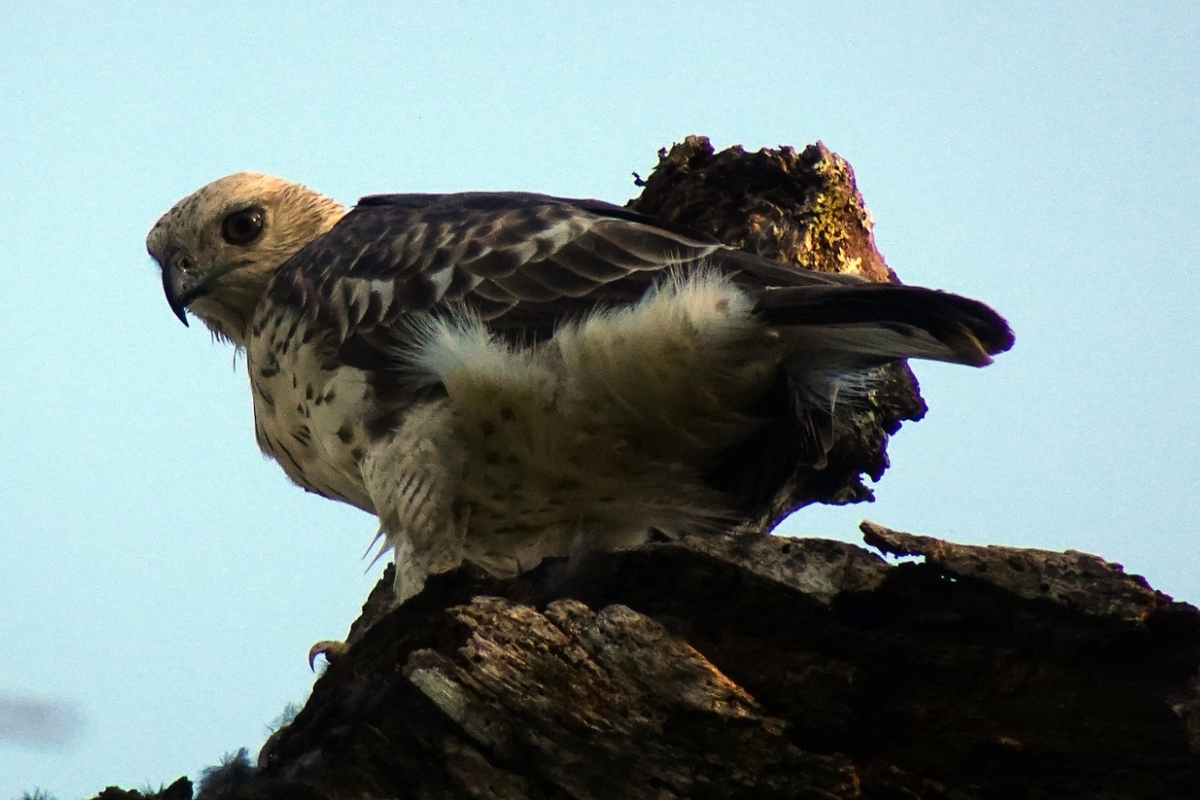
column 519, row 260
column 525, row 263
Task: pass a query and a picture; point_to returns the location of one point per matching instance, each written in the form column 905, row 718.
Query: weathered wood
column 1075, row 579
column 802, row 209
column 757, row 666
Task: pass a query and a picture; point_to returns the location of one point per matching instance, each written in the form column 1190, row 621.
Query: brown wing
column 526, row 262
column 520, row 261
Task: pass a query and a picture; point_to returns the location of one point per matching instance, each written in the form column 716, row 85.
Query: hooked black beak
column 179, row 286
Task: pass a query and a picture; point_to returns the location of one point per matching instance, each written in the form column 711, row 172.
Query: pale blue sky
column 165, row 582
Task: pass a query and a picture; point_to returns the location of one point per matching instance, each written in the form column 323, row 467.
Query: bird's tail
column 849, row 327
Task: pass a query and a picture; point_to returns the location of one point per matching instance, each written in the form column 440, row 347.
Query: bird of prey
column 503, row 377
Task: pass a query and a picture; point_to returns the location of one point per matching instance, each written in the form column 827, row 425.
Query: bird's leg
column 380, row 603
column 413, row 476
column 410, row 572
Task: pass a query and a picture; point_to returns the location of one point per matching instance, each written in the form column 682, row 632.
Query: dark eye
column 243, row 227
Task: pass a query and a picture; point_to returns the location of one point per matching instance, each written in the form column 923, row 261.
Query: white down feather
column 591, row 439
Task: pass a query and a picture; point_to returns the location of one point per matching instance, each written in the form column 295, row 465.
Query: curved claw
column 330, row 649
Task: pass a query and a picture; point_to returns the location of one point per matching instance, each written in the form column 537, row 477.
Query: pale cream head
column 219, row 246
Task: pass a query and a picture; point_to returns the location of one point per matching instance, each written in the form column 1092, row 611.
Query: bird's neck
column 229, row 313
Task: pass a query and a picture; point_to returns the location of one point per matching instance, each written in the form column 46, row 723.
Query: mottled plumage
column 503, row 377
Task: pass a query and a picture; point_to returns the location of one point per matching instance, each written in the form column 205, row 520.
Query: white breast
column 309, row 414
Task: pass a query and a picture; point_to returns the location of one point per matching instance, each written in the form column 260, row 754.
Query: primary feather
column 501, row 377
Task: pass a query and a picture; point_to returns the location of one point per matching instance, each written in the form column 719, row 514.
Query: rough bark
column 753, row 666
column 803, row 209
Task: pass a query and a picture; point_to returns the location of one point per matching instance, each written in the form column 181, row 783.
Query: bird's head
column 219, row 247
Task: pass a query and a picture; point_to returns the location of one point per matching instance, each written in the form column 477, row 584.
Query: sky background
column 161, row 583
